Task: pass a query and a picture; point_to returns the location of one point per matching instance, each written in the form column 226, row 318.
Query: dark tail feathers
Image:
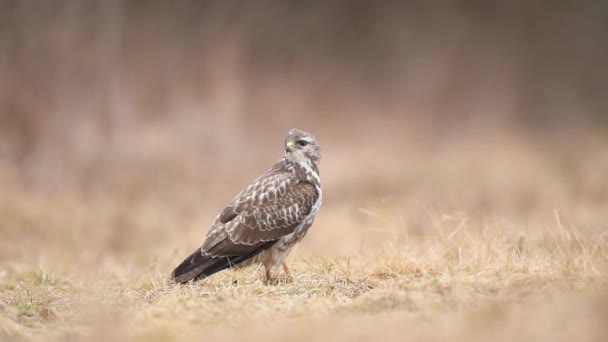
column 199, row 266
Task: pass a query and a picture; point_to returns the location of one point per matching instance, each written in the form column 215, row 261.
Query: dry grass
column 465, row 193
column 460, row 244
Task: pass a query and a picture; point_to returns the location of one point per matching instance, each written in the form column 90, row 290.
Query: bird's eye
column 302, row 143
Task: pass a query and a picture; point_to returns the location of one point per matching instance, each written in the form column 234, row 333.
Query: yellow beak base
column 289, row 147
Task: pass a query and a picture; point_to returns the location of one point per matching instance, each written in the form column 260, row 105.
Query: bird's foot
column 288, row 275
column 271, row 282
column 289, row 278
column 269, row 279
column 278, row 280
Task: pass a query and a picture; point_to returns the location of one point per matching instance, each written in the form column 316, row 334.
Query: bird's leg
column 287, row 272
column 268, row 279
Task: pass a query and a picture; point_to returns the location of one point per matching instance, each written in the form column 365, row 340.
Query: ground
column 503, row 245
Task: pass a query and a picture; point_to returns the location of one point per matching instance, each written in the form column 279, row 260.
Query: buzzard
column 265, row 220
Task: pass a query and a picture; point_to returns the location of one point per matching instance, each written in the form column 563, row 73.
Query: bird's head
column 302, row 147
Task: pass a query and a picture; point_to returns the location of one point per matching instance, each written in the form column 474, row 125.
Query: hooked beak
column 289, row 146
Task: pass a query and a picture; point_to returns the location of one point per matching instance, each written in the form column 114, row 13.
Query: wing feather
column 267, row 210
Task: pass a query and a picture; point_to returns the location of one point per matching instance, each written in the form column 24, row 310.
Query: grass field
column 464, row 168
column 493, row 239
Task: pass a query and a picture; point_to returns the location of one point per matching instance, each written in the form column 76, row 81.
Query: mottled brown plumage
column 265, row 220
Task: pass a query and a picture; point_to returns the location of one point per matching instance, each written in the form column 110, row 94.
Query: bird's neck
column 305, row 169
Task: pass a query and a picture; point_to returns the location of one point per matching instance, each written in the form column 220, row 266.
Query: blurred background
column 125, row 126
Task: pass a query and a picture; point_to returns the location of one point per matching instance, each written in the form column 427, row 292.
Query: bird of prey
column 265, row 220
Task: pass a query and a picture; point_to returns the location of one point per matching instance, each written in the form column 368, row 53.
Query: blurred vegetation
column 89, row 85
